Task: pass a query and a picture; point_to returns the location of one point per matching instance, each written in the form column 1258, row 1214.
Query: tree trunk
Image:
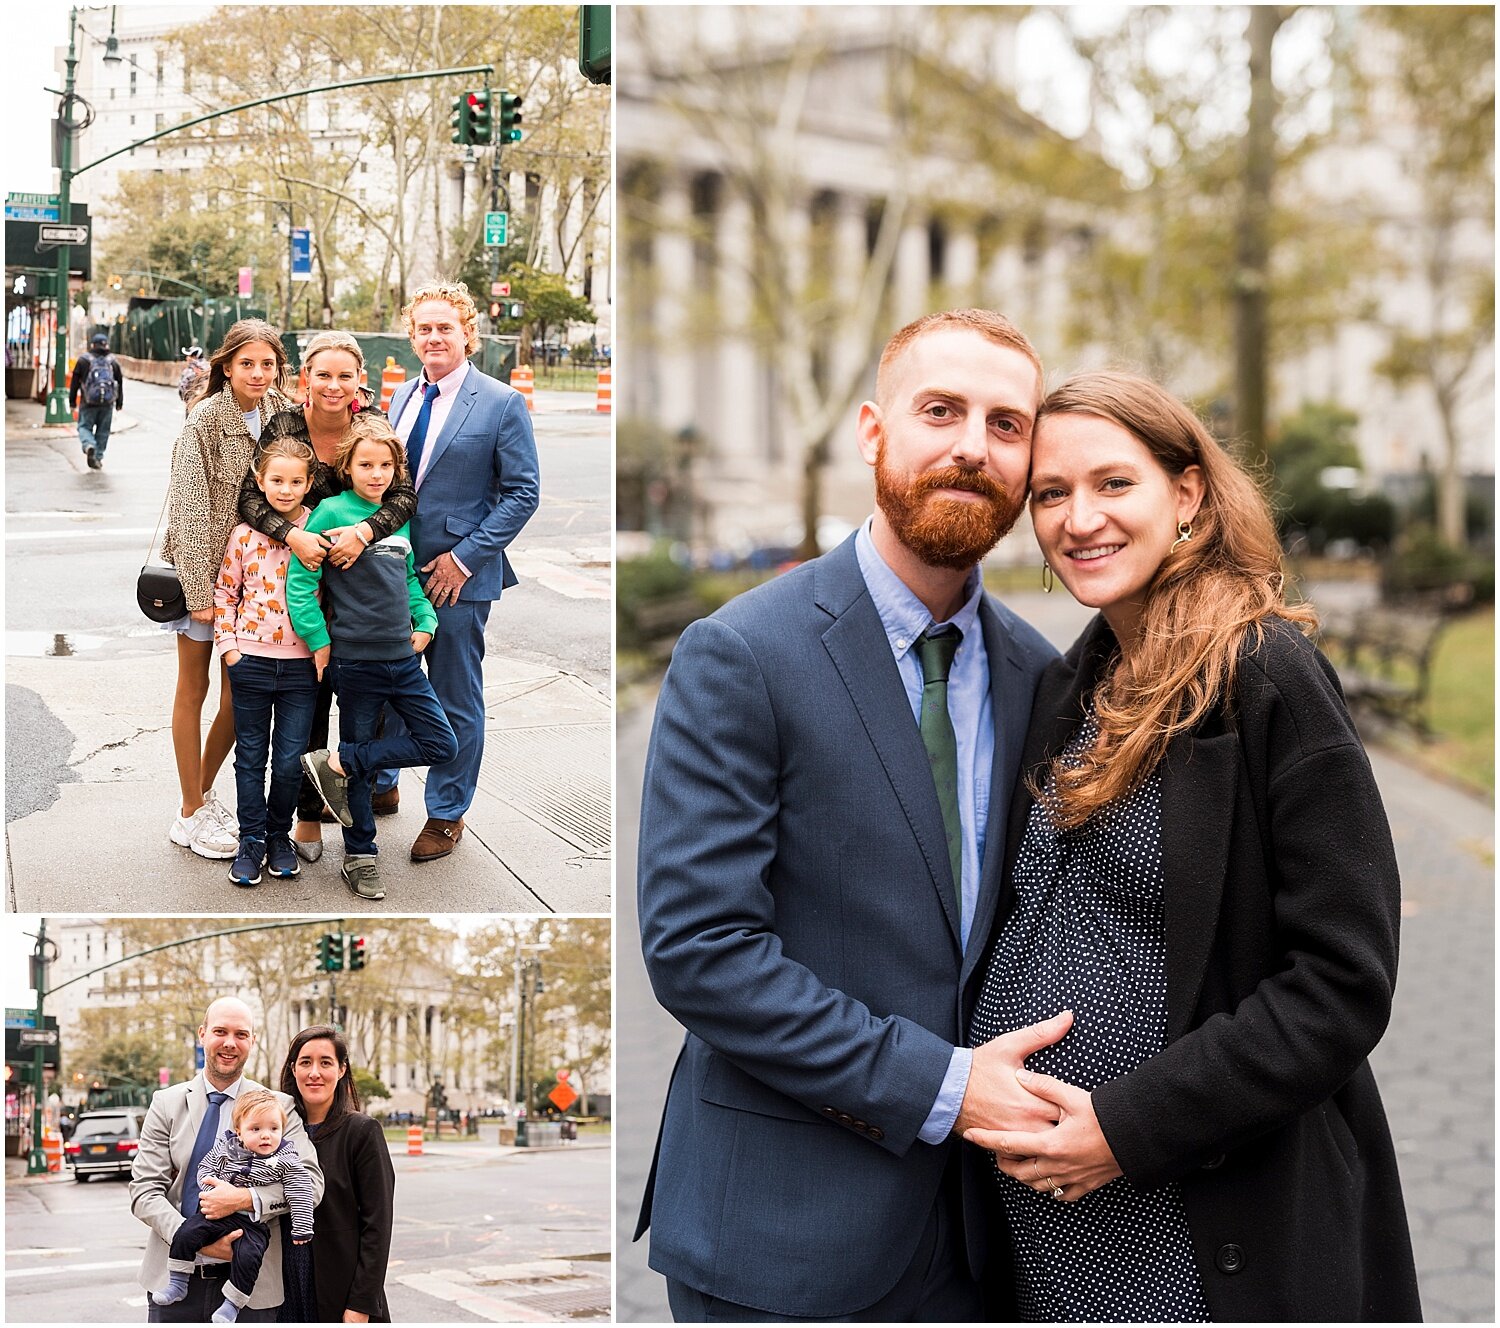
column 1252, row 236
column 814, row 462
column 1450, row 479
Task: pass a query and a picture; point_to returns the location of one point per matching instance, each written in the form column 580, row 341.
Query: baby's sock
column 228, row 1312
column 176, row 1289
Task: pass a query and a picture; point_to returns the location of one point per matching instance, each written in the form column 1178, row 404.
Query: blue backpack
column 99, row 386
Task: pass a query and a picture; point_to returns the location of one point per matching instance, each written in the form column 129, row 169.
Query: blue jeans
column 424, row 738
column 262, row 687
column 93, row 427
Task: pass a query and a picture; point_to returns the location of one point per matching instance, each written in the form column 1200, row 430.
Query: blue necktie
column 208, row 1129
column 419, row 431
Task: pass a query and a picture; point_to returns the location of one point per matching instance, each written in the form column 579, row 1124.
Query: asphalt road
column 479, row 1236
column 1435, row 1066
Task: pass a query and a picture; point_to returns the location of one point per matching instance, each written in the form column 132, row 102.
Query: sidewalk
column 536, row 840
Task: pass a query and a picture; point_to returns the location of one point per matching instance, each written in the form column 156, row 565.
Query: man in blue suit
column 473, row 460
column 822, row 842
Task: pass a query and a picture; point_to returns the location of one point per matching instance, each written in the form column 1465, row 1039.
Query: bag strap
column 160, row 517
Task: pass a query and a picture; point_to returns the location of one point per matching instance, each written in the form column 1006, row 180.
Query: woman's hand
column 310, row 548
column 203, row 615
column 354, row 1316
column 219, row 1199
column 347, row 547
column 1073, row 1156
column 321, row 657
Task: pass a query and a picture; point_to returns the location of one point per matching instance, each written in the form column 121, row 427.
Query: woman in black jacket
column 342, row 1279
column 1202, row 872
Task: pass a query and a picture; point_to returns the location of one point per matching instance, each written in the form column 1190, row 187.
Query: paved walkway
column 1435, row 1066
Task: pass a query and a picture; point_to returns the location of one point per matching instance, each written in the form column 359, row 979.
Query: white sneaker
column 222, row 814
column 203, row 833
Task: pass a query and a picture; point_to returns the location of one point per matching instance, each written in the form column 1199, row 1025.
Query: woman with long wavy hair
column 1202, row 873
column 210, row 459
column 340, row 1276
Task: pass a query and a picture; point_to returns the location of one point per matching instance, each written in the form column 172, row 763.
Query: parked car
column 104, row 1143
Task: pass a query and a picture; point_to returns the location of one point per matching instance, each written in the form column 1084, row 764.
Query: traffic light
column 458, row 122
column 481, row 125
column 330, row 952
column 510, row 117
column 356, row 953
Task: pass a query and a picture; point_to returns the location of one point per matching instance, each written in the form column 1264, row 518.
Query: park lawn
column 1462, row 704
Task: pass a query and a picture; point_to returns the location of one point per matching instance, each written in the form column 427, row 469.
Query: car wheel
column 79, row 1177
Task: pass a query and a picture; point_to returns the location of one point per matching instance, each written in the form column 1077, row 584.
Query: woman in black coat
column 1202, row 872
column 343, row 1278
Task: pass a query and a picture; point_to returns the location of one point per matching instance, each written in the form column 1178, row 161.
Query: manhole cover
column 582, row 1301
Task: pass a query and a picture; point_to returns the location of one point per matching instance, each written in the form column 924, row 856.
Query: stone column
column 400, row 1059
column 912, row 275
column 739, row 424
column 672, row 264
column 961, row 279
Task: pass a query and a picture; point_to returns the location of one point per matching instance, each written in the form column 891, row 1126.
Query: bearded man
column 821, row 847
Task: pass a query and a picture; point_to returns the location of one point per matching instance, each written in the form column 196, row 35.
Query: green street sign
column 496, row 226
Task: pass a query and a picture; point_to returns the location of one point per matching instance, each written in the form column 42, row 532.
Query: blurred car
column 104, row 1143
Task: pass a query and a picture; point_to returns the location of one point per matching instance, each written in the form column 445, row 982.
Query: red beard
column 944, row 532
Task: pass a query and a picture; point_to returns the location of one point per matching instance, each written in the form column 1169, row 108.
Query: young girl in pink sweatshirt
column 271, row 672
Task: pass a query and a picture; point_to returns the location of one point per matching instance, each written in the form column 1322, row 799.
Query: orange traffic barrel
column 391, row 377
column 523, row 379
column 364, row 378
column 300, row 396
column 602, row 400
column 52, row 1147
column 414, row 1141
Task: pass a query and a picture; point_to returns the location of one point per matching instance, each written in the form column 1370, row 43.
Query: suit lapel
column 400, row 397
column 1008, row 709
column 1198, row 772
column 463, row 403
column 857, row 645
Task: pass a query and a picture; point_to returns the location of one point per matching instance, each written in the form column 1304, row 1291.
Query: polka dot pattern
column 1087, row 934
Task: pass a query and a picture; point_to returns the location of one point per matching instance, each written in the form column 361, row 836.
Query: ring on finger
column 1057, row 1191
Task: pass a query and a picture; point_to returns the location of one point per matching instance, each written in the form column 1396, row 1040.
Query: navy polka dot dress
column 1087, row 934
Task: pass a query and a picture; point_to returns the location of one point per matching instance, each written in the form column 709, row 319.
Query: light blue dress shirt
column 905, row 618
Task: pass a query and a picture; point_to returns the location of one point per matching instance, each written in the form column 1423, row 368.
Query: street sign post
column 63, row 234
column 496, row 226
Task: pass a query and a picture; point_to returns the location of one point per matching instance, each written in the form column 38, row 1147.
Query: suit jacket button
column 1230, row 1259
column 829, row 1111
column 1214, row 1163
column 845, row 1118
column 860, row 1125
column 876, row 1132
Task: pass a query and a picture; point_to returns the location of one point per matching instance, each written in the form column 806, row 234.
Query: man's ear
column 869, row 430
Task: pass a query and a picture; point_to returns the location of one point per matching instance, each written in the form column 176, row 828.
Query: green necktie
column 936, row 652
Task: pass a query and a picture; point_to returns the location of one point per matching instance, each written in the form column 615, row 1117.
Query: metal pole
column 515, row 1032
column 36, row 1163
column 58, row 411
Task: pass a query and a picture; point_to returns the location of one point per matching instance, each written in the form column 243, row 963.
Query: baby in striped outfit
column 252, row 1153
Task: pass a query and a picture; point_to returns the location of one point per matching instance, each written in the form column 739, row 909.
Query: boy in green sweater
column 373, row 623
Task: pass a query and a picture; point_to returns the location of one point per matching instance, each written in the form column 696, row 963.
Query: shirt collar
column 902, row 614
column 448, row 382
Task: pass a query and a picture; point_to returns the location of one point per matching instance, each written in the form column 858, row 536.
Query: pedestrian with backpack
column 98, row 380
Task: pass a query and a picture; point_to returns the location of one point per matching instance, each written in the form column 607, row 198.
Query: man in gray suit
column 180, row 1128
column 821, row 850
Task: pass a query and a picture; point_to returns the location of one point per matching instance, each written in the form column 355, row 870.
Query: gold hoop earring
column 1046, row 576
column 1184, row 534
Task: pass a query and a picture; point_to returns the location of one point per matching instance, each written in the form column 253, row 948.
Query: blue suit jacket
column 481, row 485
column 798, row 917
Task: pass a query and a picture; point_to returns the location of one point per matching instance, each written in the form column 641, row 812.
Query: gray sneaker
column 363, row 877
column 332, row 787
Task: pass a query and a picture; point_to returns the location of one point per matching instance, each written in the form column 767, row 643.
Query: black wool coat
column 1282, row 907
column 353, row 1223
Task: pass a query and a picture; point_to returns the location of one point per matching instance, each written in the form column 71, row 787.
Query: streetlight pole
column 58, row 411
column 36, row 1162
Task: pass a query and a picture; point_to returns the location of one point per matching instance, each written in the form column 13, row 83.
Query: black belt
column 214, row 1271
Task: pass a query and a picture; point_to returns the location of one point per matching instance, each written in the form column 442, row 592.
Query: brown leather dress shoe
column 383, row 804
column 437, row 839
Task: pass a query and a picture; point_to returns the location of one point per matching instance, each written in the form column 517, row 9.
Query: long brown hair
column 1210, row 593
column 240, row 335
column 345, row 1095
